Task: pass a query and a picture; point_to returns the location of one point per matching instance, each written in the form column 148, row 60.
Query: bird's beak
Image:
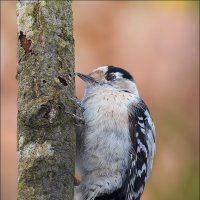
column 86, row 78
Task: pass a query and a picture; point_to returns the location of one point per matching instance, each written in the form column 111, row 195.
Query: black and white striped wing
column 142, row 134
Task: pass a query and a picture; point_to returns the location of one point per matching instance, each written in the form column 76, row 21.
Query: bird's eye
column 110, row 77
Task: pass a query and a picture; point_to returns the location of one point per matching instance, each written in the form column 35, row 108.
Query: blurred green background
column 158, row 42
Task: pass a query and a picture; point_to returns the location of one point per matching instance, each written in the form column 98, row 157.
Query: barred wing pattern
column 142, row 134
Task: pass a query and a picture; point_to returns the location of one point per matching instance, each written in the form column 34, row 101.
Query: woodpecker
column 116, row 147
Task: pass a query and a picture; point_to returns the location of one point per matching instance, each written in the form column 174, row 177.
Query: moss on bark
column 46, row 135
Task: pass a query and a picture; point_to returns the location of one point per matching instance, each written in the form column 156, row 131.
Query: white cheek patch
column 118, row 75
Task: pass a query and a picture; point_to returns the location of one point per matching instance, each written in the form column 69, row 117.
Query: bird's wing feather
column 142, row 135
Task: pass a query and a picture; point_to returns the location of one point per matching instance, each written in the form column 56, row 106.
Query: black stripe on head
column 125, row 74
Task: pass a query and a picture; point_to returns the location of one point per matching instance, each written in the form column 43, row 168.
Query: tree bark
column 45, row 74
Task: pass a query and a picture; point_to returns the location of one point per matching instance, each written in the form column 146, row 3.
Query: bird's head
column 110, row 76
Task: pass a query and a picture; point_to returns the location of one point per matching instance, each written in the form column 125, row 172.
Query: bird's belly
column 106, row 152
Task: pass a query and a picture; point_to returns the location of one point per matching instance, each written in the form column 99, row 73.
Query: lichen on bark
column 46, row 135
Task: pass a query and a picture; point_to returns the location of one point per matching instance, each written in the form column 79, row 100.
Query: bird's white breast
column 107, row 137
column 107, row 109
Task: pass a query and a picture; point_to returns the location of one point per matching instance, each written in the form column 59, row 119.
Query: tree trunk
column 45, row 74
